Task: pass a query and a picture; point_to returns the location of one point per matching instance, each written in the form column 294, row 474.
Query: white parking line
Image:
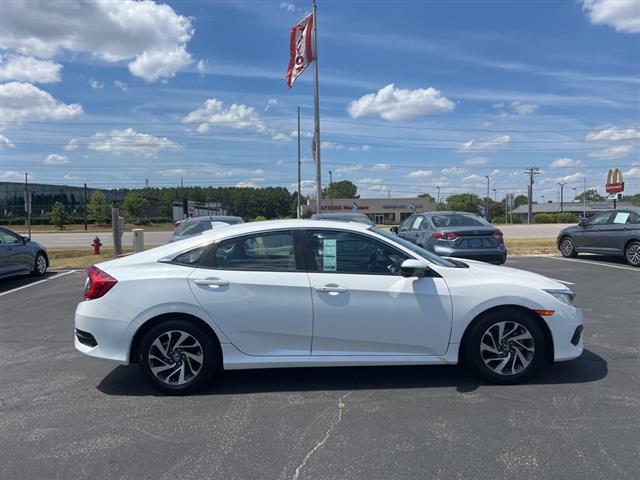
column 37, row 283
column 563, row 281
column 631, row 269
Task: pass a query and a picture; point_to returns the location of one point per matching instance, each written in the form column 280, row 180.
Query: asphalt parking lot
column 66, row 416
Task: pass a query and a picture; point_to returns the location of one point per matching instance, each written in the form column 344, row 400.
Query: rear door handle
column 331, row 288
column 211, row 282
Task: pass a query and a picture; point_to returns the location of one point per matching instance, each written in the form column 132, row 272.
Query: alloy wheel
column 41, row 264
column 507, row 348
column 175, row 357
column 633, row 254
column 566, row 247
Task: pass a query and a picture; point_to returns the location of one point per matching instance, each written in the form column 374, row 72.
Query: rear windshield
column 457, row 220
column 431, row 257
column 186, row 229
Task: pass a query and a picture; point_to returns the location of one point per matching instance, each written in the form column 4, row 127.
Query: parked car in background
column 20, row 255
column 196, row 225
column 612, row 232
column 455, row 234
column 303, row 293
column 344, row 217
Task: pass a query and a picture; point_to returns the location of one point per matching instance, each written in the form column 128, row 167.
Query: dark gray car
column 455, row 234
column 20, row 255
column 612, row 232
column 344, row 217
column 196, row 225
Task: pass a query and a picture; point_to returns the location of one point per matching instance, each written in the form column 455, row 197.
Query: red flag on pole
column 301, row 46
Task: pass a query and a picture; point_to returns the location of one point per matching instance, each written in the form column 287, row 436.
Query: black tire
column 40, row 265
column 632, row 253
column 488, row 328
column 567, row 247
column 169, row 333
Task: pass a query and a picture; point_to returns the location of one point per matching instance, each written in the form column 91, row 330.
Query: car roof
column 205, row 218
column 448, row 212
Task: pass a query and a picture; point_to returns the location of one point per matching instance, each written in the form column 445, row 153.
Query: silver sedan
column 20, row 255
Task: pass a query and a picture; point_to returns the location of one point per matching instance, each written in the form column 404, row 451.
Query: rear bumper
column 100, row 336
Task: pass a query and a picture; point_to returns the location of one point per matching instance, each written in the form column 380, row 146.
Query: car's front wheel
column 632, row 253
column 40, row 265
column 567, row 248
column 177, row 357
column 505, row 346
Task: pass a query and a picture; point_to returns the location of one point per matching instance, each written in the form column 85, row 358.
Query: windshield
column 432, row 257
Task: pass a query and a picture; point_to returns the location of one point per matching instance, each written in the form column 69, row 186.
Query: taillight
column 99, row 283
column 445, row 236
column 497, row 234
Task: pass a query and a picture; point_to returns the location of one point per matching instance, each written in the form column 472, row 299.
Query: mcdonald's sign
column 615, row 182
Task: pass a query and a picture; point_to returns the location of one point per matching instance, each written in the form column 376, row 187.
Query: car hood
column 512, row 276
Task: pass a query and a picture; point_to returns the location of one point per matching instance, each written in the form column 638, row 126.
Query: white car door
column 364, row 306
column 257, row 294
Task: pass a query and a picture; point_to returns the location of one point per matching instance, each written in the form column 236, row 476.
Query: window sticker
column 621, row 217
column 329, row 261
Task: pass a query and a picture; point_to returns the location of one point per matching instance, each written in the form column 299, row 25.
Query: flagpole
column 316, row 107
column 299, row 189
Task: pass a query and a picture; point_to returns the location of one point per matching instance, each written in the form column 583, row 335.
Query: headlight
column 563, row 296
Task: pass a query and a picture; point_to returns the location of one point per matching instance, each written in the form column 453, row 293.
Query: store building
column 389, row 211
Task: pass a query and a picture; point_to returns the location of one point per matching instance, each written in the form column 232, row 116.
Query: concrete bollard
column 138, row 240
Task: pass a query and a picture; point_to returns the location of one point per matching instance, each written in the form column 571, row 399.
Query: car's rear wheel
column 40, row 265
column 632, row 253
column 567, row 248
column 506, row 346
column 177, row 357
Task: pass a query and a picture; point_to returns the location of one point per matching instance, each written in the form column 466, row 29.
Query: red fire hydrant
column 96, row 246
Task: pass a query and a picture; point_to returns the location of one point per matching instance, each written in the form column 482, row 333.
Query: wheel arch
column 152, row 322
column 628, row 242
column 546, row 332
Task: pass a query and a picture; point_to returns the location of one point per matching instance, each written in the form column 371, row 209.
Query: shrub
column 567, row 217
column 259, row 218
column 545, row 218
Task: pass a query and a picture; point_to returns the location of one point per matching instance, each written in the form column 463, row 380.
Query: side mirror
column 414, row 268
column 394, row 230
column 26, row 240
column 582, row 222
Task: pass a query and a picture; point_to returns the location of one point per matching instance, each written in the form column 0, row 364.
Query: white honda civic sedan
column 298, row 293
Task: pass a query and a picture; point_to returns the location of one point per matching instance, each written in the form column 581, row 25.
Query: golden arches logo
column 614, row 176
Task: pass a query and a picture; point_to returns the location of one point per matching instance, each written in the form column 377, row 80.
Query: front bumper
column 566, row 330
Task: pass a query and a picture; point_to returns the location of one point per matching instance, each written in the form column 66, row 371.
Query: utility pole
column 27, row 202
column 316, row 109
column 438, row 201
column 532, row 171
column 584, row 197
column 486, row 200
column 299, row 181
column 85, row 206
column 331, row 188
column 562, row 184
column 495, row 196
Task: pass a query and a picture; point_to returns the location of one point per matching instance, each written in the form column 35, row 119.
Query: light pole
column 486, row 201
column 438, row 201
column 331, row 188
column 562, row 184
column 495, row 196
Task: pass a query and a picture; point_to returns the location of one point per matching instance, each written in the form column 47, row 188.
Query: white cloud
column 573, row 178
column 288, row 6
column 380, row 167
column 366, row 148
column 565, row 163
column 28, row 69
column 280, row 163
column 472, row 178
column 71, row 145
column 280, row 137
column 22, row 102
column 613, row 133
column 12, row 175
column 272, row 102
column 130, row 142
column 121, row 85
column 420, row 173
column 453, row 170
column 392, row 103
column 494, row 172
column 72, row 177
column 489, row 144
column 623, row 15
column 370, row 181
column 476, row 161
column 55, row 159
column 348, row 168
column 306, row 186
column 633, row 172
column 151, row 36
column 95, row 84
column 201, row 66
column 613, row 152
column 172, row 172
column 259, row 171
column 331, row 146
column 5, row 142
column 524, row 108
column 212, row 112
column 303, row 134
column 244, row 184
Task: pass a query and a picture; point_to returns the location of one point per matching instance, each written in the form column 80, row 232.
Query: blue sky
column 414, row 95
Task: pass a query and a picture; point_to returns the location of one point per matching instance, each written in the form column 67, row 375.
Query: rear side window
column 191, row 258
column 418, row 223
column 272, row 251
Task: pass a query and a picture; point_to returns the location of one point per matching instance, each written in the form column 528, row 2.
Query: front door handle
column 212, row 282
column 331, row 288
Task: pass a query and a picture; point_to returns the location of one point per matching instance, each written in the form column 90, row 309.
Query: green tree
column 464, row 202
column 342, row 189
column 58, row 216
column 634, row 199
column 134, row 204
column 427, row 197
column 520, row 200
column 592, row 196
column 98, row 210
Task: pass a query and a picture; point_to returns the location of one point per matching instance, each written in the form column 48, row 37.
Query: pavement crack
column 332, row 426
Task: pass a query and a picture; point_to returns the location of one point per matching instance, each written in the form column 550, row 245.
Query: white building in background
column 380, row 210
column 189, row 208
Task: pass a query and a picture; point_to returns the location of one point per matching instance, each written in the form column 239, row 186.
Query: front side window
column 8, row 238
column 192, row 257
column 346, row 252
column 406, row 224
column 272, row 251
column 418, row 223
column 599, row 219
